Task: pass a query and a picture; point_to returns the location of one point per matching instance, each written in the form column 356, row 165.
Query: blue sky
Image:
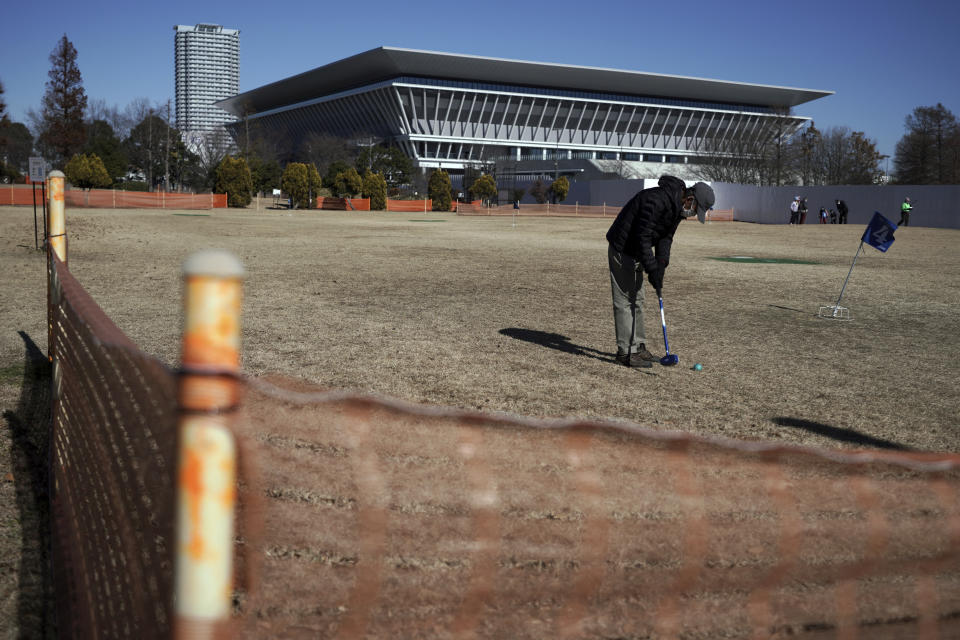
column 882, row 59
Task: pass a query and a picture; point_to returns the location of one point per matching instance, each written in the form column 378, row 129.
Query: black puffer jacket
column 645, row 226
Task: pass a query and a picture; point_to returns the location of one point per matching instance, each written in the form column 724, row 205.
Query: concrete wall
column 934, row 206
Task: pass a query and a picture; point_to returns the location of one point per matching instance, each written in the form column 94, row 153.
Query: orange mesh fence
column 113, row 453
column 114, row 199
column 409, row 205
column 390, row 519
column 113, row 456
column 20, row 194
column 344, row 204
column 387, row 519
column 540, row 210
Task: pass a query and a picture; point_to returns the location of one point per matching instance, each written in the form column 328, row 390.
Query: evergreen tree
column 559, row 189
column 103, row 142
column 4, row 119
column 390, row 162
column 87, row 172
column 347, row 183
column 16, row 144
column 233, row 179
column 62, row 129
column 438, row 189
column 295, row 182
column 375, row 188
column 265, row 173
column 333, row 170
column 149, row 142
column 314, row 184
column 484, row 188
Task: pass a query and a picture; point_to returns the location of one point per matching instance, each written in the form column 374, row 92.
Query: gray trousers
column 626, row 283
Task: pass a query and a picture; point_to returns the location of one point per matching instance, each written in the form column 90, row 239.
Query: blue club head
column 670, row 359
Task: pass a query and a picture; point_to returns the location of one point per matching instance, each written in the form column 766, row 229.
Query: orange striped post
column 56, row 220
column 56, row 243
column 208, row 396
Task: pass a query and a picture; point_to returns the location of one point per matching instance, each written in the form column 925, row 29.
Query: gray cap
column 705, row 199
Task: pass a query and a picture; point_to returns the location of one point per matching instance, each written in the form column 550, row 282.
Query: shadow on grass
column 839, row 434
column 561, row 343
column 555, row 341
column 776, row 306
column 29, row 427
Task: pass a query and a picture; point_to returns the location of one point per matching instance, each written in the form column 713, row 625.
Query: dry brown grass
column 476, row 313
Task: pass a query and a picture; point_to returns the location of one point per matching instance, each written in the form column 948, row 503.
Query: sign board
column 38, row 170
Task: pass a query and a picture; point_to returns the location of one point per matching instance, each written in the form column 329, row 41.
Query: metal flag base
column 834, row 312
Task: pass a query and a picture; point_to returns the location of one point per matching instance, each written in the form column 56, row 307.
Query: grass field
column 476, row 313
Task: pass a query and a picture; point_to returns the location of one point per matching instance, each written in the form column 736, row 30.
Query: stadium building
column 532, row 118
column 207, row 69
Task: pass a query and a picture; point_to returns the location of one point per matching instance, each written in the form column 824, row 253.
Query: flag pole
column 836, row 307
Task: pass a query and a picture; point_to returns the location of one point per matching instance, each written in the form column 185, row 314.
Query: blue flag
column 879, row 233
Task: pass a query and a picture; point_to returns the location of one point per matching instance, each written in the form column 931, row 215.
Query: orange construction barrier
column 342, row 204
column 720, row 215
column 117, row 199
column 410, row 205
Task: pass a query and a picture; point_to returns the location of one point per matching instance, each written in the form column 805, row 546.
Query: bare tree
column 929, row 151
column 322, row 150
column 760, row 156
column 737, row 162
column 133, row 114
column 97, row 109
column 836, row 156
column 211, row 147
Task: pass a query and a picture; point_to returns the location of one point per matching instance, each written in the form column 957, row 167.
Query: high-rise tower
column 207, row 63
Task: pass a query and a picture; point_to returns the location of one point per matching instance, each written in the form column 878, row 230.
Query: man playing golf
column 640, row 240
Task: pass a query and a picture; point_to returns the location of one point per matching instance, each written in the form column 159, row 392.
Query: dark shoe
column 643, row 354
column 632, row 361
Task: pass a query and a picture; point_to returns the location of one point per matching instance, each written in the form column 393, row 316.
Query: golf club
column 671, row 358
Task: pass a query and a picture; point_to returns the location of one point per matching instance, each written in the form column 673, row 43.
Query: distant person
column 833, row 217
column 795, row 210
column 823, row 216
column 803, row 211
column 640, row 240
column 905, row 210
column 842, row 211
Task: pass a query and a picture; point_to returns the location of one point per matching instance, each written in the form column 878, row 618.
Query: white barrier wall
column 934, row 206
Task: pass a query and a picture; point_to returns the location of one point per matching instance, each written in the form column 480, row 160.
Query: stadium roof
column 385, row 63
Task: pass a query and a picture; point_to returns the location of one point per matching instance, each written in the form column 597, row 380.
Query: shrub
column 347, row 183
column 438, row 189
column 560, row 188
column 295, row 182
column 484, row 188
column 375, row 188
column 87, row 172
column 234, row 179
column 314, row 185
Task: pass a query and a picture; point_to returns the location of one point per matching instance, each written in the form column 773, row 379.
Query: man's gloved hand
column 656, row 276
